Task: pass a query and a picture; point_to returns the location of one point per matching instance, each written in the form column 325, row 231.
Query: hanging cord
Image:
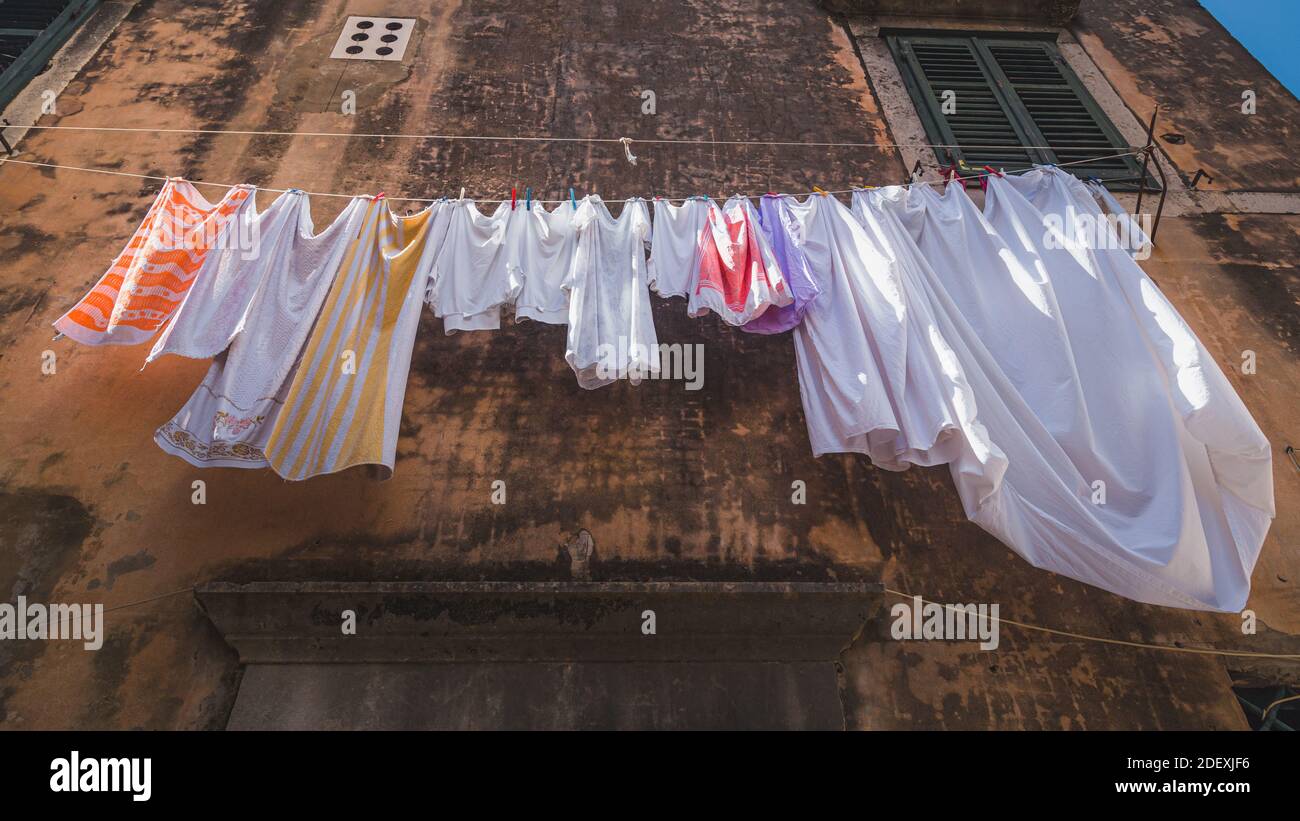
column 499, row 138
column 627, row 149
column 547, row 202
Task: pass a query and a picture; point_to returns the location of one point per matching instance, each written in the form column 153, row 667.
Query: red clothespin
column 378, row 196
column 512, row 199
column 984, row 178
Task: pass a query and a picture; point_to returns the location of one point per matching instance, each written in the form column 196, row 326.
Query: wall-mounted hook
column 1200, row 172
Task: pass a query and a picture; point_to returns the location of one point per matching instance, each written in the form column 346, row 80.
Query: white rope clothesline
column 626, row 141
column 541, row 201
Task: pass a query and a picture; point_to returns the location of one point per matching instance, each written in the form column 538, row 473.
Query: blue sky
column 1268, row 28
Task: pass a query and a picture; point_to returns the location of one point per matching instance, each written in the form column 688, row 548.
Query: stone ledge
column 1046, row 12
column 410, row 622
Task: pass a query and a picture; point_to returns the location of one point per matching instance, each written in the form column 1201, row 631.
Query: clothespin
column 573, row 200
column 378, row 197
column 817, row 190
column 462, row 192
column 984, row 178
column 528, row 199
column 512, row 199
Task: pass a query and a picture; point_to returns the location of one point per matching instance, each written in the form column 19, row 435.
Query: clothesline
column 542, row 201
column 908, row 309
column 515, row 138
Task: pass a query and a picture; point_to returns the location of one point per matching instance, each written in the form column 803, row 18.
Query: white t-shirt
column 472, row 277
column 539, row 251
column 611, row 329
column 675, row 251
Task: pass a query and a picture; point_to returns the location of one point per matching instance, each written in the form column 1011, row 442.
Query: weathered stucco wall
column 671, row 484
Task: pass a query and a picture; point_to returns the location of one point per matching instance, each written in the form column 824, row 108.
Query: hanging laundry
column 227, row 420
column 611, row 328
column 874, row 375
column 148, row 280
column 1128, row 233
column 738, row 277
column 675, row 248
column 472, row 277
column 538, row 253
column 781, row 231
column 214, row 308
column 1097, row 402
column 1187, row 472
column 344, row 405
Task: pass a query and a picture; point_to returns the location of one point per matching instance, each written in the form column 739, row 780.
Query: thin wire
column 498, row 138
column 150, row 599
column 1104, row 640
column 547, row 202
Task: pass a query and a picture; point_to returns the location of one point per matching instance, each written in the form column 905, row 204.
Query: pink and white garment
column 675, row 248
column 251, row 246
column 739, row 277
column 611, row 327
column 229, row 417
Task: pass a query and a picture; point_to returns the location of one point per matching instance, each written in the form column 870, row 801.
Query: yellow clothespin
column 817, row 190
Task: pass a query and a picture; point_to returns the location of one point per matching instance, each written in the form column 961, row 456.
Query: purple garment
column 780, row 228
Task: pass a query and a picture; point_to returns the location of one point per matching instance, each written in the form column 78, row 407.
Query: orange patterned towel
column 148, row 280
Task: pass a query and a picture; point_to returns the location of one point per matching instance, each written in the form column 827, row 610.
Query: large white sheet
column 1037, row 372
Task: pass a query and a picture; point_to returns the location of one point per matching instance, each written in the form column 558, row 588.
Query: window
column 1009, row 102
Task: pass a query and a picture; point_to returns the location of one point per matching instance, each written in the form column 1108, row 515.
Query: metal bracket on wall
column 9, row 150
column 1200, row 172
column 1147, row 152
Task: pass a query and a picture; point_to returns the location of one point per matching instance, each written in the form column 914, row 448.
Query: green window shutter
column 1012, row 102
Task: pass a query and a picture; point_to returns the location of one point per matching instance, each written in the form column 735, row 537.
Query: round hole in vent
column 383, row 51
column 389, row 38
column 366, row 24
column 354, row 49
column 361, row 35
column 394, row 26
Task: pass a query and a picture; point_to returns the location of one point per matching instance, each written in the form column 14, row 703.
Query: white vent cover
column 374, row 38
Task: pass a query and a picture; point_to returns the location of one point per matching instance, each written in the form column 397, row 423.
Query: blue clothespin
column 573, row 200
column 528, row 199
